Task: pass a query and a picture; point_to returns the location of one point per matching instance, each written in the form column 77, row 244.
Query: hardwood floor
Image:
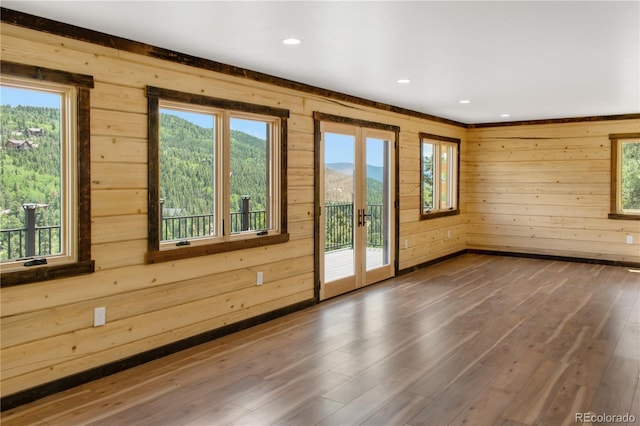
column 476, row 340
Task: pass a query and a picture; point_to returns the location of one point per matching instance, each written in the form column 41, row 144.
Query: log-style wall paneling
column 47, row 327
column 545, row 189
column 528, row 188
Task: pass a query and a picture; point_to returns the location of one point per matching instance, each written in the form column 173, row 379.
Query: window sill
column 624, row 216
column 186, row 252
column 46, row 273
column 439, row 213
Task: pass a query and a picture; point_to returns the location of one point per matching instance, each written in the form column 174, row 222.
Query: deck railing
column 183, row 227
column 14, row 243
column 339, row 226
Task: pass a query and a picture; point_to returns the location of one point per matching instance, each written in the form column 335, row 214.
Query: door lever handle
column 364, row 217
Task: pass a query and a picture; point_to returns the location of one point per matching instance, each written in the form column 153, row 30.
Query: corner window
column 218, row 179
column 439, row 176
column 625, row 176
column 45, row 218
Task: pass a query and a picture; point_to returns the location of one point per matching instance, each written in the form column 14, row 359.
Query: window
column 625, row 176
column 439, row 175
column 219, row 175
column 45, row 224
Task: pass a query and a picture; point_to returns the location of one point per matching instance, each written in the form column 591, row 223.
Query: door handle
column 364, row 217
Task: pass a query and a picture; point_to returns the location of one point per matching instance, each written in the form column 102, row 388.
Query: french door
column 357, row 209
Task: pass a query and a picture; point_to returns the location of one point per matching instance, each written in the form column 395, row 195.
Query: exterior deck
column 339, row 263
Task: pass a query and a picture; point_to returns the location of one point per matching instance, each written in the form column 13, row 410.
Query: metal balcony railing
column 184, row 227
column 17, row 243
column 339, row 226
column 14, row 242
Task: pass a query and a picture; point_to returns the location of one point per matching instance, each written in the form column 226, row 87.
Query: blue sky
column 15, row 97
column 250, row 127
column 339, row 149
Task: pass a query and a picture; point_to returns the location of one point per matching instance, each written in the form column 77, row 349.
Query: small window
column 439, row 176
column 45, row 217
column 625, row 176
column 220, row 175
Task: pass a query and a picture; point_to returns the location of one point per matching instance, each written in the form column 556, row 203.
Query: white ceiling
column 532, row 60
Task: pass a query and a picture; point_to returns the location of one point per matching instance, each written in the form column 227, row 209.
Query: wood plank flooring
column 476, row 340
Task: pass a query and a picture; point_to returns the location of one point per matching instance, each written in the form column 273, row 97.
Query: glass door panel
column 377, row 203
column 378, row 207
column 339, row 189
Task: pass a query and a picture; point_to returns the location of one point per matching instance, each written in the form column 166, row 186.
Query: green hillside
column 339, row 185
column 186, row 172
column 29, row 175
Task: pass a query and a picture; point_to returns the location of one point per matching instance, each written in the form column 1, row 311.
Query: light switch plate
column 99, row 316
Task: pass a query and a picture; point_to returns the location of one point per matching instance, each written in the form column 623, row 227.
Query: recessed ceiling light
column 465, row 101
column 291, row 41
column 403, row 81
column 505, row 115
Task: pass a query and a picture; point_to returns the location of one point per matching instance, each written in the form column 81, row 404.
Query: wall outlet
column 629, row 239
column 259, row 278
column 99, row 316
column 448, row 233
column 406, row 244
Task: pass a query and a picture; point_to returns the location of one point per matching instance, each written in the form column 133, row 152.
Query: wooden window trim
column 614, row 212
column 321, row 116
column 83, row 264
column 154, row 254
column 440, row 213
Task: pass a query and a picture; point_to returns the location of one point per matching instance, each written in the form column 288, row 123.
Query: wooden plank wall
column 47, row 330
column 545, row 189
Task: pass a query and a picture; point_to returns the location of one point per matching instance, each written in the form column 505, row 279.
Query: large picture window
column 439, row 175
column 625, row 176
column 217, row 174
column 45, row 218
